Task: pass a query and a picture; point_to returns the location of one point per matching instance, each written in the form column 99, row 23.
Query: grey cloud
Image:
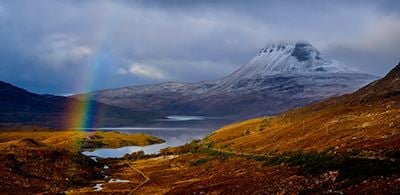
column 63, row 41
column 59, row 50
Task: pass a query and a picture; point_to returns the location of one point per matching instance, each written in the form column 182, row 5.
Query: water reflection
column 172, row 138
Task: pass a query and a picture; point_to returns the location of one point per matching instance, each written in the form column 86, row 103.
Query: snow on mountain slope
column 280, row 77
column 289, row 58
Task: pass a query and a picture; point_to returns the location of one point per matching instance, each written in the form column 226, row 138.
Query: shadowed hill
column 367, row 119
column 20, row 106
column 384, row 88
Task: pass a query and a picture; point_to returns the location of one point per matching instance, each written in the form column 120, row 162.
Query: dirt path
column 141, row 173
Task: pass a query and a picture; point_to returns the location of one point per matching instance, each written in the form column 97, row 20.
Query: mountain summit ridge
column 298, row 57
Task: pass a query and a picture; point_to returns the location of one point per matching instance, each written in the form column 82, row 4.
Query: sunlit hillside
column 368, row 119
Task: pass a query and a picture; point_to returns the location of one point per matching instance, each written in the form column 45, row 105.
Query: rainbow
column 87, row 113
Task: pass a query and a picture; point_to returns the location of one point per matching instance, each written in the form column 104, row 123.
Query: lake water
column 175, row 130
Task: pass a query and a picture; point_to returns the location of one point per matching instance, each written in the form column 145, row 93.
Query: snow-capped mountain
column 294, row 58
column 278, row 78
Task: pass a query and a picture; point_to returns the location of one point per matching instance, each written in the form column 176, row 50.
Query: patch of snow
column 94, row 158
column 106, row 167
column 98, row 187
column 118, row 181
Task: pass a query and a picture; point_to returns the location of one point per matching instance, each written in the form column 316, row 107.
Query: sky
column 71, row 46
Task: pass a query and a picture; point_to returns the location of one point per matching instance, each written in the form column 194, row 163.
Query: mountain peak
column 283, row 45
column 301, row 50
column 298, row 57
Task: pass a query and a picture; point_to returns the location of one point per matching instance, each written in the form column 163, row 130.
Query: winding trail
column 141, row 173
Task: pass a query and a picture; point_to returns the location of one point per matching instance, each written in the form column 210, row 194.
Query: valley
column 180, row 97
column 182, row 138
column 291, row 153
column 345, row 145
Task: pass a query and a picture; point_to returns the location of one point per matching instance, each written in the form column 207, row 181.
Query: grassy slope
column 309, row 129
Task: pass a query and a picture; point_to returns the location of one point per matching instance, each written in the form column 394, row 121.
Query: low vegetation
column 39, row 161
column 31, row 166
column 350, row 165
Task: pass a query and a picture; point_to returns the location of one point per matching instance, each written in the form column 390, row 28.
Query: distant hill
column 19, row 106
column 367, row 119
column 278, row 78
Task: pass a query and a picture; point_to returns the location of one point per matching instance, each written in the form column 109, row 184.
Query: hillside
column 367, row 119
column 51, row 161
column 18, row 106
column 278, row 78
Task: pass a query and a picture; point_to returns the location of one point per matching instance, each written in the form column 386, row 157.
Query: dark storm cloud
column 60, row 46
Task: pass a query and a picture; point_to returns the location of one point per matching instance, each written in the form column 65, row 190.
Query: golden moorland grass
column 322, row 126
column 38, row 161
column 72, row 140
